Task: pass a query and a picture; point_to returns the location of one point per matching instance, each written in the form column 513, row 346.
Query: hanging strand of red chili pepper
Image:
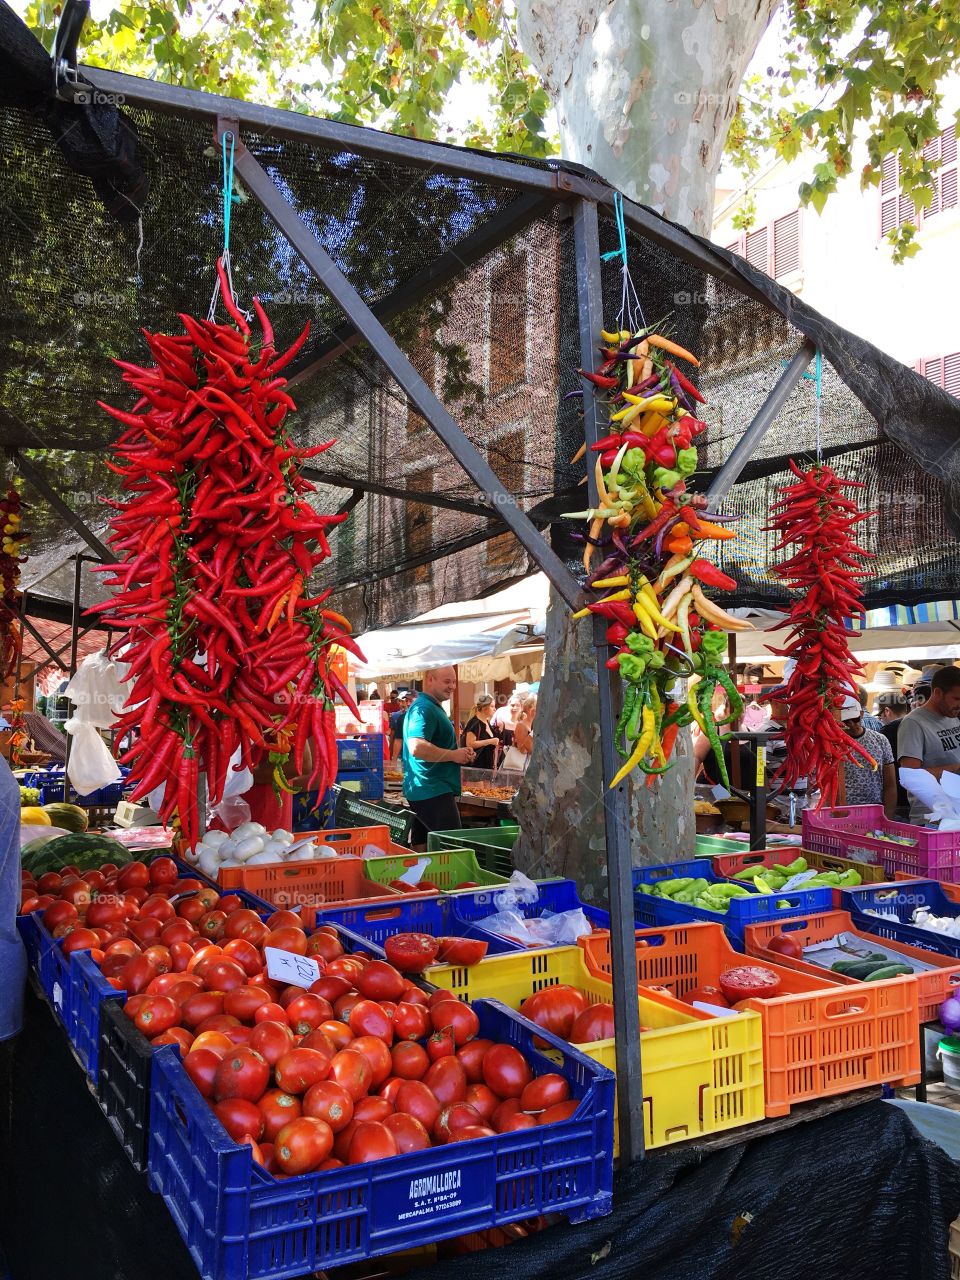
column 815, row 518
column 216, row 546
column 11, row 511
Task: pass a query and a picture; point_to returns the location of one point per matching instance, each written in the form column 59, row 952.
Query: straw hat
column 886, row 681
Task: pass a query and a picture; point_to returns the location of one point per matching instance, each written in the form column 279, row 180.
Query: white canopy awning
column 913, row 642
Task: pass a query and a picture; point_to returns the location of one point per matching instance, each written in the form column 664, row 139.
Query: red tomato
column 299, row 1068
column 555, row 1008
column 278, row 1108
column 390, row 1088
column 201, row 1066
column 305, row 1013
column 343, row 1006
column 411, row 952
column 371, row 1142
column 458, row 1016
column 215, row 1041
column 204, row 956
column 245, row 954
column 242, row 1073
column 224, row 975
column 380, row 981
column 410, row 1021
column 201, row 1006
column 77, row 892
column 465, row 951
column 747, row 982
column 208, row 897
column 544, row 1092
column 413, row 995
column 510, row 1107
column 243, row 1002
column 157, row 907
column 471, row 1055
column 560, row 1111
column 337, row 1032
column 240, row 1117
column 368, row 1019
column 255, row 1150
column 180, row 956
column 178, row 1036
column 415, row 1099
column 240, row 921
column 80, row 940
column 212, row 923
column 441, row 1044
column 708, row 995
column 483, row 1100
column 272, row 1040
column 330, row 988
column 29, row 905
column 595, row 1023
column 506, row 1071
column 287, row 938
column 60, row 912
column 377, row 1054
column 230, row 902
column 457, row 1116
column 50, row 882
column 318, row 1040
column 282, row 918
column 372, row 1110
column 345, row 967
column 190, row 910
column 181, row 989
column 156, row 1015
column 176, row 931
column 163, row 871
column 303, row 1144
column 323, row 947
column 146, row 930
column 341, row 1143
column 408, row 1133
column 159, row 955
column 271, row 1012
column 135, row 875
column 410, row 1061
column 329, row 1101
column 353, row 1071
column 238, row 1034
column 137, row 974
column 517, row 1120
column 447, row 1080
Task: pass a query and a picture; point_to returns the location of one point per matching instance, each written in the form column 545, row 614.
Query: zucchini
column 889, row 971
column 860, row 969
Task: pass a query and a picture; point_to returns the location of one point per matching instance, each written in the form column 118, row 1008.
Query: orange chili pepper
column 277, row 610
column 295, row 591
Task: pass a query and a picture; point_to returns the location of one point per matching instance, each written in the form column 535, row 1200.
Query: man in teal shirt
column 431, row 757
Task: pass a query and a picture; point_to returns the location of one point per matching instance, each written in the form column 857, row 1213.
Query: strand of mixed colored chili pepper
column 652, row 577
column 11, row 513
column 216, row 545
column 815, row 517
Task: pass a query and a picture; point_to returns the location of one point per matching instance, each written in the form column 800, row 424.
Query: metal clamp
column 67, row 85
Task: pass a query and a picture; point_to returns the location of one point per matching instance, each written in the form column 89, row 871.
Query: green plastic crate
column 447, row 868
column 492, row 845
column 353, row 812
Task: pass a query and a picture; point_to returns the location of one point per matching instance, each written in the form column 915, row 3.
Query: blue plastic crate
column 903, row 897
column 240, row 1223
column 370, row 926
column 554, row 896
column 760, row 908
column 361, row 754
column 364, row 784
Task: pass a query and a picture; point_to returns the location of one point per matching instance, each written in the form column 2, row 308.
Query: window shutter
column 905, row 211
column 951, row 373
column 888, row 215
column 948, row 169
column 786, row 244
column 891, row 175
column 948, row 189
column 933, row 370
column 736, row 247
column 948, row 146
column 757, row 252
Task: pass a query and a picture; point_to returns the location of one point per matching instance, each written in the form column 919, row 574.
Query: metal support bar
column 616, row 802
column 38, row 479
column 332, row 279
column 746, row 446
column 488, row 236
column 339, row 481
column 74, row 642
column 54, row 656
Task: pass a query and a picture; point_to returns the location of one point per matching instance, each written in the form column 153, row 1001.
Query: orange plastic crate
column 933, row 984
column 309, row 884
column 818, row 1039
column 951, row 891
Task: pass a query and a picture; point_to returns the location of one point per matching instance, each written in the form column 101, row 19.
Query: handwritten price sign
column 284, row 966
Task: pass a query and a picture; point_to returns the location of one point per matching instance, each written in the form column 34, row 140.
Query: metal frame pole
column 74, row 644
column 305, row 243
column 616, row 811
column 745, row 447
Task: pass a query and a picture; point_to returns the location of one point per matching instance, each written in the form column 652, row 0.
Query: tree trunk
column 645, row 93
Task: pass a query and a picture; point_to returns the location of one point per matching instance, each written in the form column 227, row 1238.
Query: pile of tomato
column 361, row 1066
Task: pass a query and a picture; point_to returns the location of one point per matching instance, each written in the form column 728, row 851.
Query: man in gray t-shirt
column 929, row 737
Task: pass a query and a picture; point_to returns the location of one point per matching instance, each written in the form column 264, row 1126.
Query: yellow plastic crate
column 700, row 1074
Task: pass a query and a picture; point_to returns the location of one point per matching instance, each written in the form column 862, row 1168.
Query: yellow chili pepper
column 653, row 609
column 620, row 335
column 604, row 584
column 692, row 705
column 617, row 595
column 644, row 620
column 644, row 742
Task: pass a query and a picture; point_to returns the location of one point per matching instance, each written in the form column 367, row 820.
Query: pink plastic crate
column 848, row 833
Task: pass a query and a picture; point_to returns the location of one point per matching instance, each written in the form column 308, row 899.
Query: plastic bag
column 99, row 690
column 519, row 888
column 558, row 930
column 91, row 765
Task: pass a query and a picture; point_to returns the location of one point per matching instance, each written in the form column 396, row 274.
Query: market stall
column 311, row 188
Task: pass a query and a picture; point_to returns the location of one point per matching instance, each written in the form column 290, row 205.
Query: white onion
column 282, row 837
column 215, row 838
column 325, row 851
column 304, row 852
column 261, row 859
column 247, row 847
column 246, row 829
column 209, row 863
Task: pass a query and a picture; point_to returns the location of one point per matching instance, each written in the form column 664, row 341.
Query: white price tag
column 414, row 874
column 284, row 966
column 57, row 995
